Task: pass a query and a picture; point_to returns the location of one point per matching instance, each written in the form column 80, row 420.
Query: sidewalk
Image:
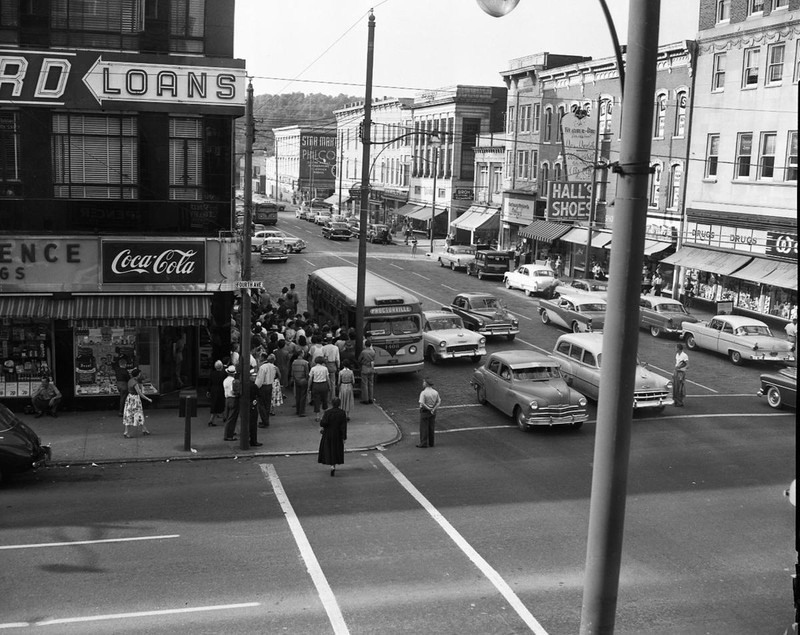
column 83, row 438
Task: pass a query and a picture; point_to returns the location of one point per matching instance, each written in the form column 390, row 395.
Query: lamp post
column 435, row 141
column 621, row 332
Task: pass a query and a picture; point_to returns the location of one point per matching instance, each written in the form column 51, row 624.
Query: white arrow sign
column 163, row 83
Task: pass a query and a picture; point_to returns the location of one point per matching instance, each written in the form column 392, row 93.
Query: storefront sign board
column 569, row 201
column 153, row 262
column 518, row 210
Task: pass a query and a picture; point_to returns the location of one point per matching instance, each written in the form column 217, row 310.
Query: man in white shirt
column 332, row 361
column 231, row 404
column 267, row 373
column 791, row 332
column 679, row 376
column 429, row 402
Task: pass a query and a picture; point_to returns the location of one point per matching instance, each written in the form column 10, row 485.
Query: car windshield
column 753, row 329
column 339, row 226
column 405, row 325
column 496, row 259
column 598, row 287
column 487, row 303
column 463, row 250
column 441, row 323
column 536, row 373
column 595, row 306
column 670, row 307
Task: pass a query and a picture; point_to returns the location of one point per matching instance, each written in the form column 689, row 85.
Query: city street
column 485, row 533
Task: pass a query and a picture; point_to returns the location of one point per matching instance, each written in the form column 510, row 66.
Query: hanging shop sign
column 462, row 194
column 318, row 156
column 579, row 143
column 87, row 79
column 153, row 262
column 569, row 200
column 518, row 210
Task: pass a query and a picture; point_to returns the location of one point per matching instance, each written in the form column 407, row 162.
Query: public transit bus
column 392, row 316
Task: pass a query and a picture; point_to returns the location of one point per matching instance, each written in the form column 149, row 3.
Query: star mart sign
column 86, row 79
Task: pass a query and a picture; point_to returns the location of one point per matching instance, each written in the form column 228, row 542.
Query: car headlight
column 442, row 344
column 412, row 349
column 533, row 405
column 582, row 402
column 482, row 341
column 480, row 323
column 669, row 385
column 514, row 322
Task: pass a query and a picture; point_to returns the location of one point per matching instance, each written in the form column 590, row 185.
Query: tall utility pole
column 244, row 357
column 341, row 169
column 361, row 278
column 275, row 143
column 435, row 142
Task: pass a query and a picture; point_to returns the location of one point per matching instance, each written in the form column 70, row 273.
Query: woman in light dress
column 133, row 416
column 346, row 380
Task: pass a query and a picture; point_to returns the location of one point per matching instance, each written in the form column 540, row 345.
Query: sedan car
column 529, row 386
column 580, row 355
column 663, row 315
column 379, row 233
column 583, row 285
column 274, row 249
column 580, row 313
column 780, row 387
column 335, row 230
column 739, row 337
column 456, row 256
column 320, row 218
column 531, row 279
column 20, row 447
column 484, row 313
column 446, row 337
column 294, row 244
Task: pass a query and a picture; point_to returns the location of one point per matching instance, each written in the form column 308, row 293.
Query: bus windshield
column 388, row 326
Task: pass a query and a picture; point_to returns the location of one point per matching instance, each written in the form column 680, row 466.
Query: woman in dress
column 346, row 379
column 134, row 414
column 334, row 434
column 216, row 393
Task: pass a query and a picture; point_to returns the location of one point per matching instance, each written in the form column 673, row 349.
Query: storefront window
column 26, row 356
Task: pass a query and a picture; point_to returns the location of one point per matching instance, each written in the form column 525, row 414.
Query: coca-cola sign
column 154, row 262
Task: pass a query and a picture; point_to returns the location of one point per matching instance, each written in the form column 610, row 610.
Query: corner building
column 116, row 145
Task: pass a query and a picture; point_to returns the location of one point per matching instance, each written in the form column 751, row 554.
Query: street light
column 621, row 332
column 436, row 142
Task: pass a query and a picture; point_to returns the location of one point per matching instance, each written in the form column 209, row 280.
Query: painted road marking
column 451, row 288
column 420, row 275
column 123, row 616
column 86, row 542
column 485, row 568
column 312, row 564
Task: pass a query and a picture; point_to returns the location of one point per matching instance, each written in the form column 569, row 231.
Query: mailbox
column 187, row 400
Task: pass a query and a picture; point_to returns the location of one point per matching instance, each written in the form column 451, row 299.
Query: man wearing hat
column 231, row 413
column 332, row 361
column 429, row 402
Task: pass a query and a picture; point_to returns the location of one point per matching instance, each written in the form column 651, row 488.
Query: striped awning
column 22, row 306
column 407, row 209
column 544, row 230
column 580, row 235
column 129, row 310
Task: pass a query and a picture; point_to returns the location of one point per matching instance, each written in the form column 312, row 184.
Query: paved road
column 486, row 533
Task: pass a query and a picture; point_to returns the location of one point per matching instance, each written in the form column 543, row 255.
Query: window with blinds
column 187, row 26
column 186, row 158
column 97, row 23
column 95, row 156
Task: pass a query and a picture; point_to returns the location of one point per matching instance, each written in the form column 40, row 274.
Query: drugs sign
column 569, row 201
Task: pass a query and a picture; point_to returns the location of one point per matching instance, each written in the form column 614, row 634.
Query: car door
column 492, row 377
column 560, row 313
column 708, row 337
column 646, row 312
column 589, row 375
column 727, row 340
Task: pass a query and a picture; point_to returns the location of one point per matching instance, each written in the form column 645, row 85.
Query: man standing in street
column 333, row 361
column 791, row 332
column 264, row 378
column 366, row 361
column 229, row 386
column 429, row 402
column 679, row 375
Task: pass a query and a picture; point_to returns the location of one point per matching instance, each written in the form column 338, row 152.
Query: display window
column 25, row 354
column 100, row 351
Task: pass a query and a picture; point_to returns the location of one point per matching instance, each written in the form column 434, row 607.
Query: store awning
column 408, row 208
column 720, row 262
column 579, row 235
column 655, row 246
column 333, row 199
column 155, row 310
column 424, row 213
column 22, row 306
column 478, row 217
column 771, row 272
column 544, row 230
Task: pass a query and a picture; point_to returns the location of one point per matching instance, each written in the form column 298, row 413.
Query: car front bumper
column 453, row 354
column 498, row 330
column 652, row 401
column 545, row 419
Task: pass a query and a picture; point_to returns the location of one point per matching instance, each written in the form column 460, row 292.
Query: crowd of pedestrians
column 292, row 358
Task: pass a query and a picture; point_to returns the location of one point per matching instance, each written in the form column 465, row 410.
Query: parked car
column 580, row 355
column 531, row 279
column 446, row 337
column 739, row 337
column 489, row 263
column 274, row 249
column 529, row 386
column 780, row 387
column 580, row 313
column 663, row 315
column 484, row 313
column 322, row 217
column 293, row 243
column 456, row 256
column 379, row 233
column 21, row 448
column 320, row 203
column 583, row 285
column 355, row 228
column 336, row 231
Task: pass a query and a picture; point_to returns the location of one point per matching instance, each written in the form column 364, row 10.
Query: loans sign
column 569, row 200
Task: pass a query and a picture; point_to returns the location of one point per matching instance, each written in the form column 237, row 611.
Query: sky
column 320, row 46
